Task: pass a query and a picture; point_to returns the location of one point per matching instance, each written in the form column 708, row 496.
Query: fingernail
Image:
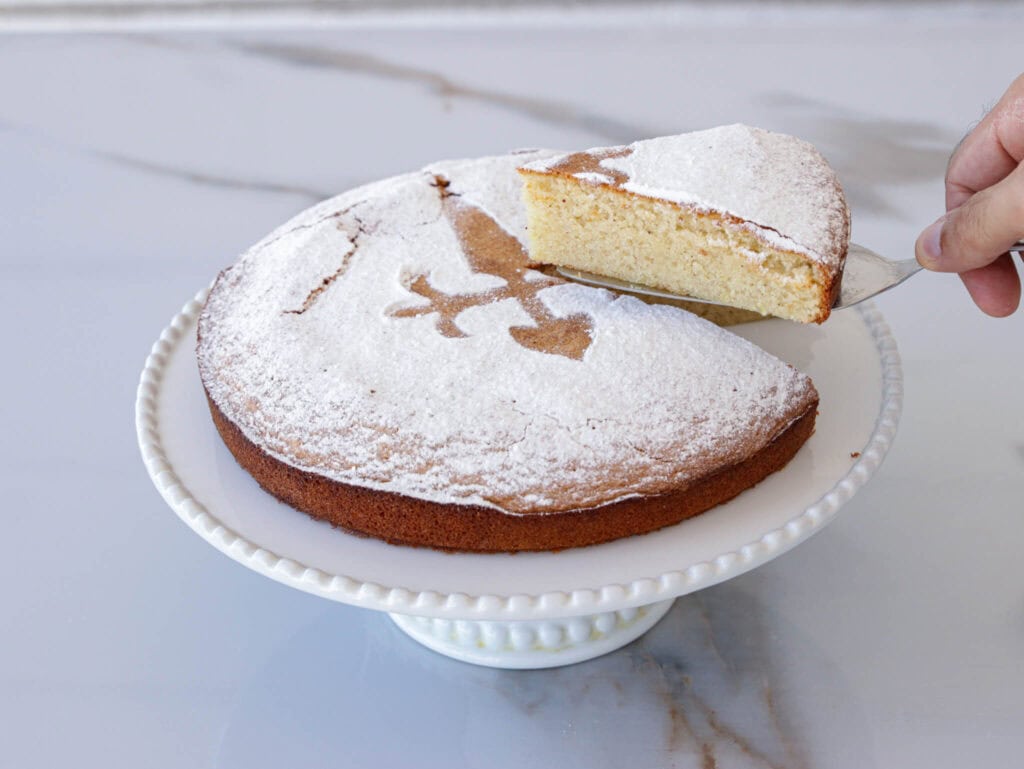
column 931, row 248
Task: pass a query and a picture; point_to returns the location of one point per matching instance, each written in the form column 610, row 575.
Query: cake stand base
column 531, row 644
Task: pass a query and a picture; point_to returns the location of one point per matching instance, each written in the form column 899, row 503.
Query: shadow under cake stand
column 531, row 610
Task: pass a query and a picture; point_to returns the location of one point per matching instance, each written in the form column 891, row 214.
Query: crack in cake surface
column 326, row 282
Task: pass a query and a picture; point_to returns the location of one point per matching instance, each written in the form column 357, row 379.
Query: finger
column 979, row 231
column 991, row 151
column 995, row 288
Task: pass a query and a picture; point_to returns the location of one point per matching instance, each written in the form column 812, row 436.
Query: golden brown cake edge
column 405, row 520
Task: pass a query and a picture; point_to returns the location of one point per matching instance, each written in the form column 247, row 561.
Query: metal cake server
column 865, row 275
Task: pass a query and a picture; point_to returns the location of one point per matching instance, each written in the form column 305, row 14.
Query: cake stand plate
column 531, row 610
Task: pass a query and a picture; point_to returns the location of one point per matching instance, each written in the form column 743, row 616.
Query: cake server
column 865, row 275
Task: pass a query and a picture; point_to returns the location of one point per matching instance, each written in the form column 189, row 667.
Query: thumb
column 979, row 231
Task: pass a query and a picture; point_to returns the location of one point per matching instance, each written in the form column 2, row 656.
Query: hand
column 984, row 208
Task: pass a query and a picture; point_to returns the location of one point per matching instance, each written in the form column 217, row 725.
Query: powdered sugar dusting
column 594, row 178
column 781, row 185
column 350, row 390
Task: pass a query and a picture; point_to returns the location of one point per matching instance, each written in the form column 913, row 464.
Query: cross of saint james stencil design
column 491, row 250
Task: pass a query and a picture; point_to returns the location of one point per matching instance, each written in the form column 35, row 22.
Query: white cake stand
column 531, row 610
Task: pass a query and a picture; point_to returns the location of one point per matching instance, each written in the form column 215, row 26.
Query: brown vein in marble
column 163, row 169
column 207, row 179
column 682, row 726
column 694, row 722
column 725, row 732
column 675, row 674
column 674, row 685
column 730, row 734
column 712, row 641
column 557, row 113
column 784, row 739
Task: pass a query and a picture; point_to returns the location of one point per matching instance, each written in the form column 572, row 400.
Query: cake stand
column 531, row 610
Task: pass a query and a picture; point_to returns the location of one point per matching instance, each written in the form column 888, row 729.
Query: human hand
column 984, row 208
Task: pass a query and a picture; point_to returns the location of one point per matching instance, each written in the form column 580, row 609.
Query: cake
column 735, row 215
column 390, row 362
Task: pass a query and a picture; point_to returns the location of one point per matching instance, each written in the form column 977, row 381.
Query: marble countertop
column 134, row 167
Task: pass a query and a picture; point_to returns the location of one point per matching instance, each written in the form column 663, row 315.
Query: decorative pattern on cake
column 590, row 166
column 491, row 250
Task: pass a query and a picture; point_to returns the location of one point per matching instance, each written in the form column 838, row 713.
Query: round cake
column 391, row 362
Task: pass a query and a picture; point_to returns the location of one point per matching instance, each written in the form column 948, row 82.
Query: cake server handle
column 867, row 274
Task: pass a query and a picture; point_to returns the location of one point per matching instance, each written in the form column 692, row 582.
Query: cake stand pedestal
column 530, row 644
column 531, row 610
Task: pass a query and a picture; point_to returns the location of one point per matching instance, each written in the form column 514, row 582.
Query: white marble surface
column 133, row 168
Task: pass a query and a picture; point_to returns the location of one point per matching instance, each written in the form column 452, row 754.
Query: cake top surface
column 395, row 337
column 779, row 185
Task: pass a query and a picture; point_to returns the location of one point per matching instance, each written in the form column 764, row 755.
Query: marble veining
column 447, row 87
column 210, row 179
column 700, row 690
column 165, row 170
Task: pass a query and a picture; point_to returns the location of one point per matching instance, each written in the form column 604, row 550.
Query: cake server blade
column 865, row 275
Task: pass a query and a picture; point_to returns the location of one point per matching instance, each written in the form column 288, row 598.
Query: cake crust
column 404, row 520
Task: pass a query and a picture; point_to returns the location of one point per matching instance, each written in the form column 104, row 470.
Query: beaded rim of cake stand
column 611, row 597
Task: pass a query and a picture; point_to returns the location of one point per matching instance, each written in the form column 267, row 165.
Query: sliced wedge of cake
column 736, row 215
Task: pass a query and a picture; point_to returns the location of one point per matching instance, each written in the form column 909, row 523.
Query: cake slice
column 735, row 215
